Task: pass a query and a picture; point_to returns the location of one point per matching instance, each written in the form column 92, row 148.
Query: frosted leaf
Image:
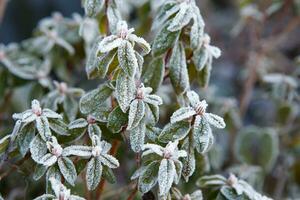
column 201, row 134
column 215, row 120
column 94, row 129
column 51, row 114
column 109, row 161
column 43, row 127
column 70, row 106
column 117, row 119
column 178, row 69
column 48, row 159
column 127, row 59
column 24, row 138
column 94, row 99
column 182, row 18
column 182, row 114
column 164, row 13
column 174, row 131
column 178, row 169
column 148, row 177
column 93, row 7
column 113, row 16
column 67, row 169
column 189, row 162
column 193, row 98
column 137, row 137
column 59, row 126
column 64, row 44
column 277, row 78
column 200, row 58
column 141, row 42
column 38, row 148
column 125, row 90
column 93, row 173
column 78, row 123
column 212, row 180
column 152, row 114
column 164, row 40
column 166, row 174
column 105, row 146
column 153, row 74
column 138, row 173
column 215, row 51
column 76, row 150
column 39, row 171
column 136, row 113
column 44, row 197
column 109, row 43
column 197, row 29
column 153, row 148
column 153, row 99
column 197, row 195
column 75, row 197
column 28, row 116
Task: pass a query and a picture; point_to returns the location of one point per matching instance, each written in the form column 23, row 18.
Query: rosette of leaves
column 143, row 109
column 65, row 96
column 98, row 155
column 176, row 194
column 173, row 16
column 52, row 158
column 36, row 118
column 194, row 115
column 24, row 64
column 161, row 165
column 231, row 188
column 103, row 52
column 60, row 192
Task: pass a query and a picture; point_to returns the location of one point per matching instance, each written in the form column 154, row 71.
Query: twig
column 2, row 8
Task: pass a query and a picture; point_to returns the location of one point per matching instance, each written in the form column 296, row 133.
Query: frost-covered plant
column 164, row 170
column 60, row 192
column 138, row 100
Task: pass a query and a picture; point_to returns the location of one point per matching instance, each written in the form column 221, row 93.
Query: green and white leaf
column 93, row 173
column 136, row 113
column 174, row 131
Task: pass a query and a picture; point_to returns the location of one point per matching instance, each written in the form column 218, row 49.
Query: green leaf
column 257, row 147
column 136, row 113
column 108, row 174
column 39, row 171
column 137, row 137
column 164, row 40
column 78, row 123
column 117, row 120
column 125, row 90
column 152, row 132
column 204, row 75
column 164, row 13
column 67, row 169
column 38, row 148
column 95, row 98
column 25, row 137
column 153, row 113
column 148, row 178
column 4, row 142
column 93, row 173
column 174, row 131
column 153, row 74
column 127, row 59
column 178, row 69
column 104, row 61
column 182, row 18
column 197, row 29
column 58, row 126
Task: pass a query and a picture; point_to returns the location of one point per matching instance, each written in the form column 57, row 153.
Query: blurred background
column 254, row 84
